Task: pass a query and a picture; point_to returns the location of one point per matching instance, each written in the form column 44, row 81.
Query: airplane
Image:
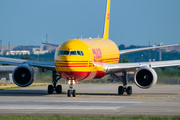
column 79, row 59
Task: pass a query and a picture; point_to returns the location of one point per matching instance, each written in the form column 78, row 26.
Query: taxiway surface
column 92, row 99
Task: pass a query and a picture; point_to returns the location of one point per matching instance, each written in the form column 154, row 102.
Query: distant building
column 23, row 52
column 49, row 48
column 169, row 49
column 40, row 52
column 4, row 49
column 26, row 48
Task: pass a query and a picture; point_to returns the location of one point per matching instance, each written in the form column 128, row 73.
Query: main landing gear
column 54, row 87
column 71, row 90
column 124, row 88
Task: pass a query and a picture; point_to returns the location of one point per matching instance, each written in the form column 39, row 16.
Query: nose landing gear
column 71, row 90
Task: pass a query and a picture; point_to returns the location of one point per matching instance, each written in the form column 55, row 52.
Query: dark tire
column 120, row 90
column 74, row 93
column 129, row 90
column 69, row 93
column 50, row 89
column 59, row 89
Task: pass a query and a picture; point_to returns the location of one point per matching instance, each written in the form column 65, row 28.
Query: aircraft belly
column 77, row 75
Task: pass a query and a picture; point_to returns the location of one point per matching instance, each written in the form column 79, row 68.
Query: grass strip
column 7, row 86
column 58, row 117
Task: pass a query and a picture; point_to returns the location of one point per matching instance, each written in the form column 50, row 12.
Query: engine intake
column 145, row 77
column 23, row 75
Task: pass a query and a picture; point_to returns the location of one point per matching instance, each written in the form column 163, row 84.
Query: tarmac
column 92, row 100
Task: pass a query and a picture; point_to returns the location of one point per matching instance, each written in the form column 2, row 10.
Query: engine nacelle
column 23, row 75
column 145, row 77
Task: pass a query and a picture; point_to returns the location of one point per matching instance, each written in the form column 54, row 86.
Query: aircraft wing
column 40, row 64
column 109, row 68
column 141, row 49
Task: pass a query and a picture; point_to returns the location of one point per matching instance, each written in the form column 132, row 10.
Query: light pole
column 19, row 52
column 155, row 50
column 149, row 52
column 38, row 56
column 1, row 47
column 9, row 47
column 160, row 53
column 142, row 57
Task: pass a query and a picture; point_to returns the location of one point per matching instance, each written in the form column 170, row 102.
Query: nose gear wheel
column 71, row 89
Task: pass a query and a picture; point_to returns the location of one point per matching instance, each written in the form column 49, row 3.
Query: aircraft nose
column 72, row 69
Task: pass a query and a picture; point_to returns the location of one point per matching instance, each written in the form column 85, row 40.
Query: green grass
column 58, row 117
column 17, row 87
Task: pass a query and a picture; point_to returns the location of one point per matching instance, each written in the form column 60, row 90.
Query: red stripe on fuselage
column 79, row 75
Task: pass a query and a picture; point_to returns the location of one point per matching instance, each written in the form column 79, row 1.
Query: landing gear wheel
column 69, row 93
column 120, row 90
column 124, row 88
column 74, row 93
column 129, row 90
column 50, row 89
column 59, row 89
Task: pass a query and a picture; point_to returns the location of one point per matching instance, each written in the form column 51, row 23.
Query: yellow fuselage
column 80, row 59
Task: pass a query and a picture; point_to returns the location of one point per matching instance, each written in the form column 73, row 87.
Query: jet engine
column 23, row 75
column 145, row 77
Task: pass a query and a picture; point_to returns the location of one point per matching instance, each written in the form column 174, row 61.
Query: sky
column 132, row 22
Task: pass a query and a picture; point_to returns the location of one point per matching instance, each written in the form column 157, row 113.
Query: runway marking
column 78, row 98
column 81, row 105
column 141, row 95
column 171, row 96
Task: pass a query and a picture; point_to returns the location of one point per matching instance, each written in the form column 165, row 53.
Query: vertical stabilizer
column 106, row 26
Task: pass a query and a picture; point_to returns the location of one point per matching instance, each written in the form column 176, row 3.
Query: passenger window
column 73, row 53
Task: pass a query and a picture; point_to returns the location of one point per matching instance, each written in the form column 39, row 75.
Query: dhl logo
column 97, row 56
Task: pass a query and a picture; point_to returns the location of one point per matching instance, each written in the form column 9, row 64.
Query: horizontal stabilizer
column 51, row 44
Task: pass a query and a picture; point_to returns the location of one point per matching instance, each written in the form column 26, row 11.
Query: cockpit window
column 78, row 52
column 73, row 53
column 60, row 52
column 64, row 52
column 82, row 54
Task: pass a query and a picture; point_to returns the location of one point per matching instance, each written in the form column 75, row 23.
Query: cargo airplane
column 79, row 59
